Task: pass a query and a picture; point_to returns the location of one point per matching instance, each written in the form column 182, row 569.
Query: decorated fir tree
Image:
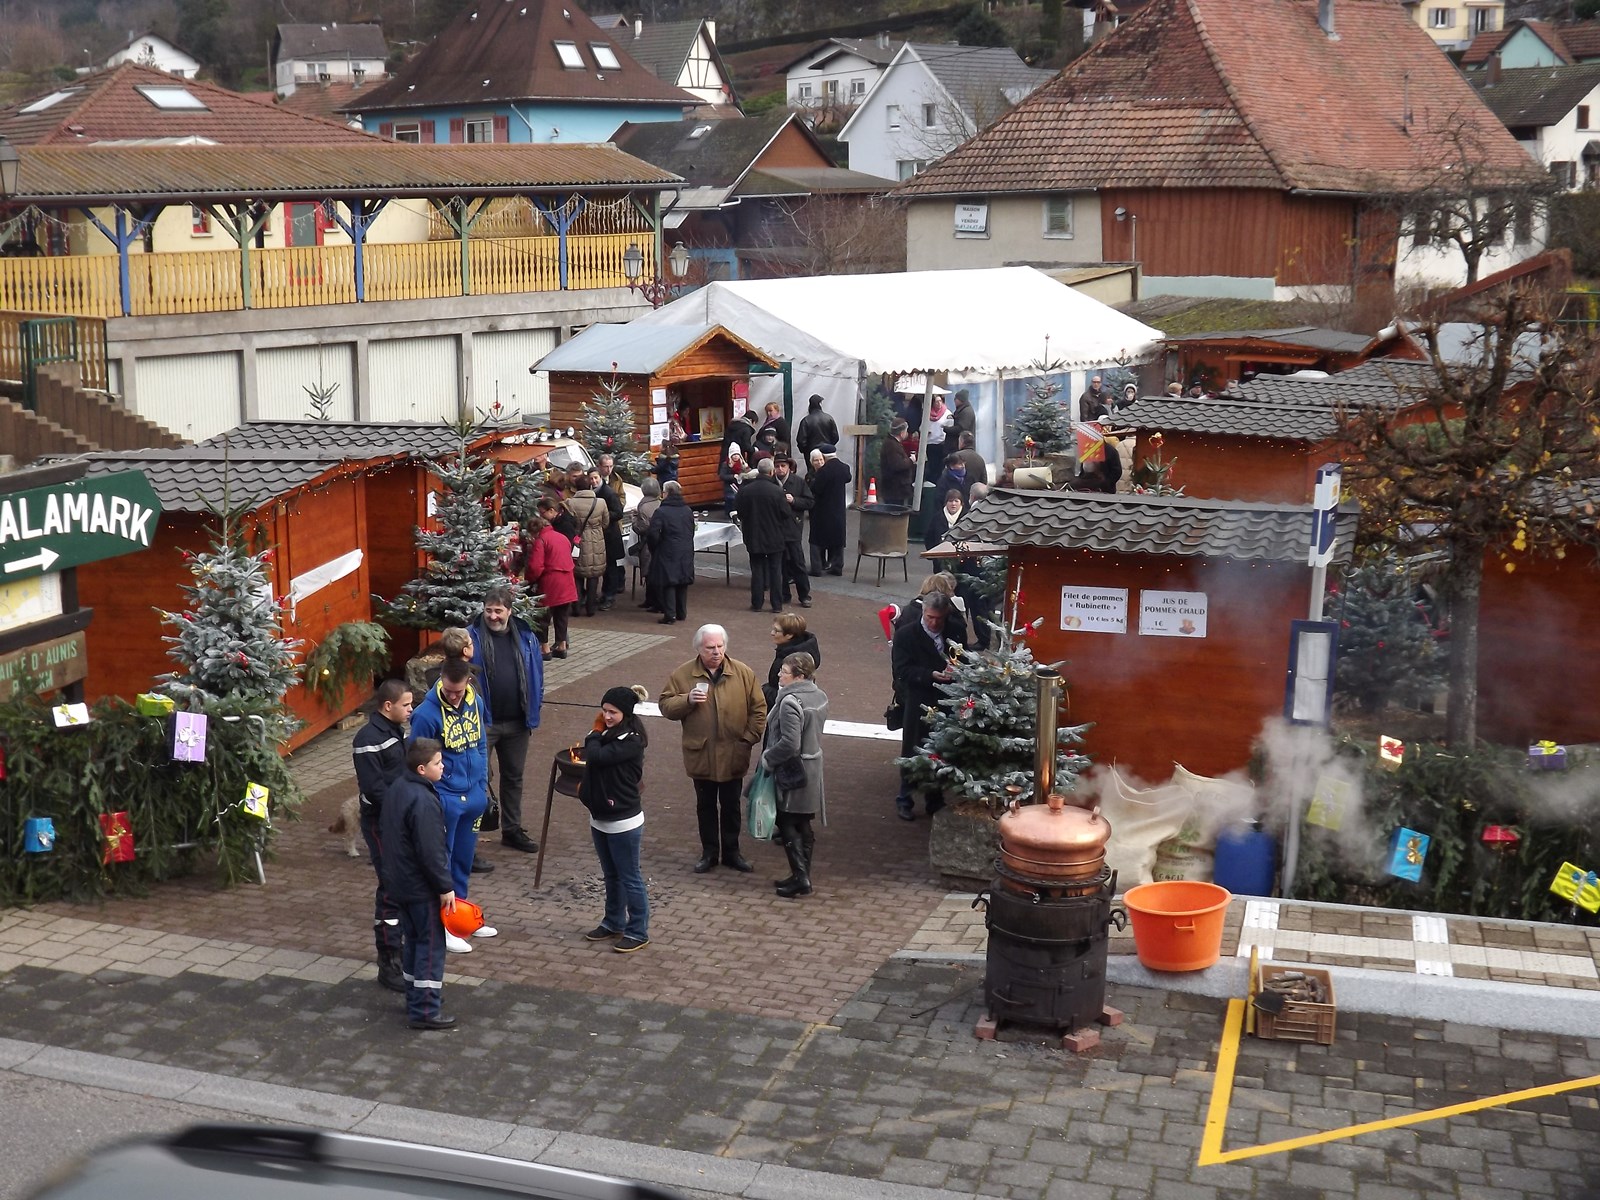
column 1153, row 477
column 1043, row 425
column 609, row 428
column 464, row 549
column 1386, row 650
column 228, row 643
column 981, row 735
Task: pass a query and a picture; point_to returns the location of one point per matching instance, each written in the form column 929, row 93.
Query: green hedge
column 121, row 762
column 1452, row 798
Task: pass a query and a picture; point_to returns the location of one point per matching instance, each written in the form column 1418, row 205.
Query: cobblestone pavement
column 756, row 1035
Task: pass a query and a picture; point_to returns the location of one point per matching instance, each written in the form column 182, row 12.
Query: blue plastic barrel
column 1247, row 860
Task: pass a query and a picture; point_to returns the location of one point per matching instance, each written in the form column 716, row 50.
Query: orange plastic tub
column 1177, row 925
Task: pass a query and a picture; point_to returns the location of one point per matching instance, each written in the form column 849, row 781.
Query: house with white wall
column 834, row 76
column 1454, row 23
column 307, row 55
column 1554, row 112
column 152, row 50
column 680, row 52
column 929, row 100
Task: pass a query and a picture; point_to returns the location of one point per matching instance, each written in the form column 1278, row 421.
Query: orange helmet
column 465, row 921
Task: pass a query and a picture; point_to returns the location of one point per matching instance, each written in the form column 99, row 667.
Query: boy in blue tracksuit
column 455, row 714
column 416, row 876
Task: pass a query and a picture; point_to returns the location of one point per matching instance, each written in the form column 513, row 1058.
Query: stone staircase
column 68, row 419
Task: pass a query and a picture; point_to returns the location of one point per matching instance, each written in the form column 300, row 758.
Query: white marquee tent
column 981, row 330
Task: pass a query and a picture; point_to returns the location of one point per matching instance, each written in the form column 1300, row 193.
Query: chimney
column 1325, row 17
column 1493, row 68
column 883, row 39
column 638, row 25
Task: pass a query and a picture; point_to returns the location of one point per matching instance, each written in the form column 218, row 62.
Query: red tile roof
column 323, row 99
column 1485, row 44
column 107, row 107
column 1581, row 38
column 1482, row 46
column 1215, row 93
column 504, row 50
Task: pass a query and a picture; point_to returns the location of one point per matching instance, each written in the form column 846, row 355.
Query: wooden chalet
column 1223, row 358
column 1172, row 615
column 338, row 503
column 700, row 372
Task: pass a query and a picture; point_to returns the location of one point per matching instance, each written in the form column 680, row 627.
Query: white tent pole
column 922, row 442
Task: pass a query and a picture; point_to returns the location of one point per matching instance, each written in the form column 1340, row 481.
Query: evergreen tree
column 609, row 428
column 463, row 548
column 1386, row 650
column 1043, row 426
column 228, row 643
column 981, row 736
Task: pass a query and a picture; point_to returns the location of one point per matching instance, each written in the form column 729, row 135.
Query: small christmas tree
column 1153, row 477
column 464, row 550
column 981, row 735
column 228, row 642
column 1386, row 650
column 609, row 428
column 1042, row 425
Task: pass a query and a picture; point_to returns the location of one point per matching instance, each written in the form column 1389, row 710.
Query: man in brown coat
column 724, row 714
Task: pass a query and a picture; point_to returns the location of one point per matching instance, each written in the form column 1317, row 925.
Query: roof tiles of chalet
column 1216, row 93
column 194, row 479
column 333, row 40
column 325, row 100
column 1377, row 383
column 1169, row 525
column 108, row 107
column 1233, row 418
column 111, row 174
column 1537, row 96
column 347, row 439
column 497, row 51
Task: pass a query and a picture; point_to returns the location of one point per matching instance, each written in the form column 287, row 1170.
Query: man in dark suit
column 919, row 662
column 764, row 520
column 798, row 495
column 830, row 488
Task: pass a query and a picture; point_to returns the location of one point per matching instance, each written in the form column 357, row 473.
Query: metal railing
column 87, row 340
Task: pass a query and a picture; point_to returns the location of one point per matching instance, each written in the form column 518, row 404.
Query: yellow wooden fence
column 298, row 276
column 91, row 343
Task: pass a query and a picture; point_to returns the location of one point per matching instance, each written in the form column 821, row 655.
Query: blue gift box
column 38, row 835
column 1406, row 854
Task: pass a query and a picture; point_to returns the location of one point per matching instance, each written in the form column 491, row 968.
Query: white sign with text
column 1094, row 609
column 1172, row 614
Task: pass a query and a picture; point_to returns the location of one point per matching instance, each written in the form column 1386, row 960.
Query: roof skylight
column 44, row 102
column 171, row 99
column 605, row 56
column 568, row 53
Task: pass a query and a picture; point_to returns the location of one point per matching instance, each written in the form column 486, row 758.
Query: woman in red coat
column 550, row 564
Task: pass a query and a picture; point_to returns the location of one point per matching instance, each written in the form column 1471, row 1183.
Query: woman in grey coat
column 794, row 734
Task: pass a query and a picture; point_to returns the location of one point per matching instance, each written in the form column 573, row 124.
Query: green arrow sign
column 68, row 524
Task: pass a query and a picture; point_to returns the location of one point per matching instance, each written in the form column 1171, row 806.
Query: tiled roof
column 347, row 439
column 1218, row 93
column 326, row 100
column 1580, row 498
column 805, row 181
column 661, row 48
column 104, row 174
column 1172, row 525
column 1202, row 314
column 1311, row 336
column 1537, row 95
column 108, row 107
column 195, row 478
column 497, row 51
column 1377, row 383
column 984, row 80
column 1481, row 47
column 1234, row 418
column 1581, row 38
column 866, row 48
column 722, row 151
column 331, row 40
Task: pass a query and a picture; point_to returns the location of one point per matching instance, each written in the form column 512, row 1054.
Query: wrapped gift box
column 38, row 835
column 188, row 737
column 1547, row 756
column 1407, row 853
column 118, row 834
column 151, row 705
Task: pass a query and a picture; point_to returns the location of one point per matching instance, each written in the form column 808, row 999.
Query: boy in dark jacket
column 379, row 751
column 417, row 877
column 613, row 757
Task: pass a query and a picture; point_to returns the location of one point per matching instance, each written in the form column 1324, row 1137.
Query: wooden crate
column 1300, row 1020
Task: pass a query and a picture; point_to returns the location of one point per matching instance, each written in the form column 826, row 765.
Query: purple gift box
column 188, row 737
column 1543, row 757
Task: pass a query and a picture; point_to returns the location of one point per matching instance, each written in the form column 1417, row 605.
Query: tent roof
column 980, row 322
column 631, row 350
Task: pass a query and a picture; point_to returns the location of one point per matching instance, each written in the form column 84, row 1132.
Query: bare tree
column 1486, row 464
column 837, row 235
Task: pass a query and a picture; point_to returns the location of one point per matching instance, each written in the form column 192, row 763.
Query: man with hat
column 830, row 488
column 895, row 468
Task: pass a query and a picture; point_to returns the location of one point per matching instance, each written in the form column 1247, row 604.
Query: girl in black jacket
column 789, row 636
column 613, row 757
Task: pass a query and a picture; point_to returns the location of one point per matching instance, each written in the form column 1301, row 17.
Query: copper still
column 1054, row 840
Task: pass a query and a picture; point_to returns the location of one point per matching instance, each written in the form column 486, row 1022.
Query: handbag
column 762, row 817
column 490, row 821
column 894, row 717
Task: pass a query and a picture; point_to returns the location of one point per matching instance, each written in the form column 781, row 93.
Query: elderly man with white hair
column 718, row 699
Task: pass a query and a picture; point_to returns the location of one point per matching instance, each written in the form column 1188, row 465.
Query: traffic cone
column 872, row 491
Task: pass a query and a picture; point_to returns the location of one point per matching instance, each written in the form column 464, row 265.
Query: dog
column 348, row 822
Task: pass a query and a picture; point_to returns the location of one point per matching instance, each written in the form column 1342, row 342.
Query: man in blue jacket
column 453, row 713
column 511, row 665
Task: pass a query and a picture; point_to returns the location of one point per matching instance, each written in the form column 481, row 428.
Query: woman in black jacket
column 789, row 636
column 613, row 757
column 671, row 539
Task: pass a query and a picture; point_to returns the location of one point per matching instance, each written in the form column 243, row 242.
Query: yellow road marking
column 1211, row 1151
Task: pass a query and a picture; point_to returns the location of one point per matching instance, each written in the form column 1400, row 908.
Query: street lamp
column 10, row 168
column 1122, row 214
column 655, row 289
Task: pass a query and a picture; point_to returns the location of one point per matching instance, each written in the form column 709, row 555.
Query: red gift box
column 118, row 834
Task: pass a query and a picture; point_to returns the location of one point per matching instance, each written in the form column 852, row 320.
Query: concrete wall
column 160, row 351
column 1016, row 235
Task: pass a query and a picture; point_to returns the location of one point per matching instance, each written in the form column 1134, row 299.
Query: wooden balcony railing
column 202, row 281
column 90, row 348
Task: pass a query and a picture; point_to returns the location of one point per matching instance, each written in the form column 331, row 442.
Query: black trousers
column 385, row 912
column 716, row 804
column 589, row 593
column 508, row 745
column 614, row 580
column 558, row 623
column 828, row 559
column 793, row 572
column 766, row 575
column 674, row 600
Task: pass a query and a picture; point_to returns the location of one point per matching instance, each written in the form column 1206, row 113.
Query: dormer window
column 568, row 53
column 699, row 131
column 605, row 56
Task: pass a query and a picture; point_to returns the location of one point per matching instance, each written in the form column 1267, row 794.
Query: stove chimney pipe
column 1047, row 698
column 1325, row 17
